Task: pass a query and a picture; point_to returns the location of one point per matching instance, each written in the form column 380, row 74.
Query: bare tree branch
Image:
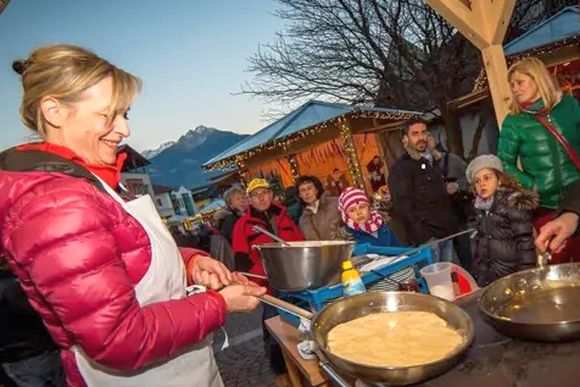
column 395, row 53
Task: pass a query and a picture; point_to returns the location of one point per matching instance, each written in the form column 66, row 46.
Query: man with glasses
column 270, row 216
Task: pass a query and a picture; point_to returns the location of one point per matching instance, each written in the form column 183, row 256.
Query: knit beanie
column 481, row 162
column 350, row 197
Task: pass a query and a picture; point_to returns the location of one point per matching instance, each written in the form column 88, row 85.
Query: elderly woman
column 103, row 273
column 543, row 131
column 237, row 203
column 320, row 215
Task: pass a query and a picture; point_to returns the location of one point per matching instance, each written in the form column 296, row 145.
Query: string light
column 481, row 80
column 284, row 143
column 351, row 159
column 293, row 166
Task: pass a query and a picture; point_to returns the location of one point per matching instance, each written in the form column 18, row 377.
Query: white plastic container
column 438, row 278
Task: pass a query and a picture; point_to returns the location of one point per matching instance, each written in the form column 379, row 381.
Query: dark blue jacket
column 385, row 237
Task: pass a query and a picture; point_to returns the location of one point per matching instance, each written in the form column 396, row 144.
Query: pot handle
column 288, row 307
column 333, row 375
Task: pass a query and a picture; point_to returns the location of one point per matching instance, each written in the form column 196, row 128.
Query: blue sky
column 190, row 54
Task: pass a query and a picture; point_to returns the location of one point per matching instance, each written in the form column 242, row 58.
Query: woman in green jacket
column 546, row 166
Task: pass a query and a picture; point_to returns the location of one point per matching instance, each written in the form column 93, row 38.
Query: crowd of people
column 107, row 285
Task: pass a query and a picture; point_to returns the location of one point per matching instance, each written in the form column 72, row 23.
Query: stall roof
column 310, row 114
column 559, row 26
column 134, row 159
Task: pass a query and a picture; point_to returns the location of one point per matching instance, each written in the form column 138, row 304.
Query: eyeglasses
column 261, row 194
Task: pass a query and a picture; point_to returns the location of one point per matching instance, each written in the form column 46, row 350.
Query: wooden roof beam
column 463, row 18
column 491, row 18
column 495, row 16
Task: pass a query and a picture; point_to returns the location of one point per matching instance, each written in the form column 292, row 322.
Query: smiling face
column 486, row 182
column 360, row 213
column 239, row 202
column 524, row 88
column 85, row 126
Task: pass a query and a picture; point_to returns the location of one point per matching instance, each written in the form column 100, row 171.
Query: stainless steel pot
column 349, row 308
column 296, row 266
column 536, row 304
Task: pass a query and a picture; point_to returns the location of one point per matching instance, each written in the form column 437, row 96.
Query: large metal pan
column 537, row 304
column 349, row 308
column 296, row 266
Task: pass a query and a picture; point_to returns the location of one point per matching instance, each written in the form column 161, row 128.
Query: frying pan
column 540, row 304
column 350, row 308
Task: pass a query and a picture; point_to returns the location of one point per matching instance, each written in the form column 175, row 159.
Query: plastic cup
column 438, row 278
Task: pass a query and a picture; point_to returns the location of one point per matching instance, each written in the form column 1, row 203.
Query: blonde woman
column 543, row 130
column 103, row 273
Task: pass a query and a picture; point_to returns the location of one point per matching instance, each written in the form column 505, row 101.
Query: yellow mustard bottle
column 351, row 282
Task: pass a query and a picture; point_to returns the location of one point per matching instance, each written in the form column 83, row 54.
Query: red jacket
column 78, row 255
column 244, row 237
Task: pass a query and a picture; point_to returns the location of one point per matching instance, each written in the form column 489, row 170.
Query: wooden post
column 495, row 63
column 351, row 159
column 484, row 23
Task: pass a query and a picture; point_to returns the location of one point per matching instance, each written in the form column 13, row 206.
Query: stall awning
column 562, row 25
column 310, row 114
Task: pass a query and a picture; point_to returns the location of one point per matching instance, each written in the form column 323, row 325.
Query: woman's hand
column 240, row 298
column 553, row 234
column 210, row 273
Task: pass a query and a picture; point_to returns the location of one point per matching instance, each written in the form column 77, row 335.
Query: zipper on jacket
column 559, row 169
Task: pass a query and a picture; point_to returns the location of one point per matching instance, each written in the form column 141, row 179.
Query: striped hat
column 350, row 197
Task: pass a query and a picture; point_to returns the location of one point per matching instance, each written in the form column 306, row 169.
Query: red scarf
column 110, row 174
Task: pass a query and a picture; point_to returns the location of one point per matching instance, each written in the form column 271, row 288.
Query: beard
column 420, row 144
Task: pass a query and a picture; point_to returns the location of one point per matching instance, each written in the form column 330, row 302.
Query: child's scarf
column 350, row 197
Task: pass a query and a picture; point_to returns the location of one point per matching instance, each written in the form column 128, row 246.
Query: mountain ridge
column 179, row 163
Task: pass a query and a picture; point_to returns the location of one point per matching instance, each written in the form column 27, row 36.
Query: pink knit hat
column 350, row 197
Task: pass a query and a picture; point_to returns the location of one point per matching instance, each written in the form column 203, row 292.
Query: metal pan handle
column 288, row 307
column 333, row 375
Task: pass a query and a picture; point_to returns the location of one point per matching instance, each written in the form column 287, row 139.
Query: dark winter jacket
column 228, row 223
column 22, row 333
column 504, row 242
column 453, row 169
column 385, row 237
column 245, row 237
column 420, row 198
column 546, row 165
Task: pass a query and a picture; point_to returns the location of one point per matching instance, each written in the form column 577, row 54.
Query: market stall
column 555, row 41
column 327, row 140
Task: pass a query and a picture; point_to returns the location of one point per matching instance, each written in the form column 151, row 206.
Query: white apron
column 165, row 280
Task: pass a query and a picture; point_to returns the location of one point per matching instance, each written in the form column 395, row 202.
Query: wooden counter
column 300, row 370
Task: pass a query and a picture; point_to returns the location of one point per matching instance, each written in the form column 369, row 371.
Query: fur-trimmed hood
column 521, row 199
column 415, row 155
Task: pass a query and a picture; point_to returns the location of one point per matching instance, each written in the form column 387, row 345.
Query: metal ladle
column 271, row 235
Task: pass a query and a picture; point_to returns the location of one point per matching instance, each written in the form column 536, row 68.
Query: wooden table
column 299, row 369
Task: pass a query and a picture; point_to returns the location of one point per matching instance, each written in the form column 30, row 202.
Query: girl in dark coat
column 504, row 241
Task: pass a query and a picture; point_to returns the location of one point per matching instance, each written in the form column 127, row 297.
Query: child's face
column 486, row 183
column 359, row 213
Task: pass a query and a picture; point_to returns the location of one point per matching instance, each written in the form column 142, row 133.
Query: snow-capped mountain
column 176, row 163
column 149, row 154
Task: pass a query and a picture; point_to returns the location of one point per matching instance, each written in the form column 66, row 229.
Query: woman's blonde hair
column 64, row 72
column 535, row 69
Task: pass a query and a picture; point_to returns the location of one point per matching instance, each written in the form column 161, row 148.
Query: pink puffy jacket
column 79, row 255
